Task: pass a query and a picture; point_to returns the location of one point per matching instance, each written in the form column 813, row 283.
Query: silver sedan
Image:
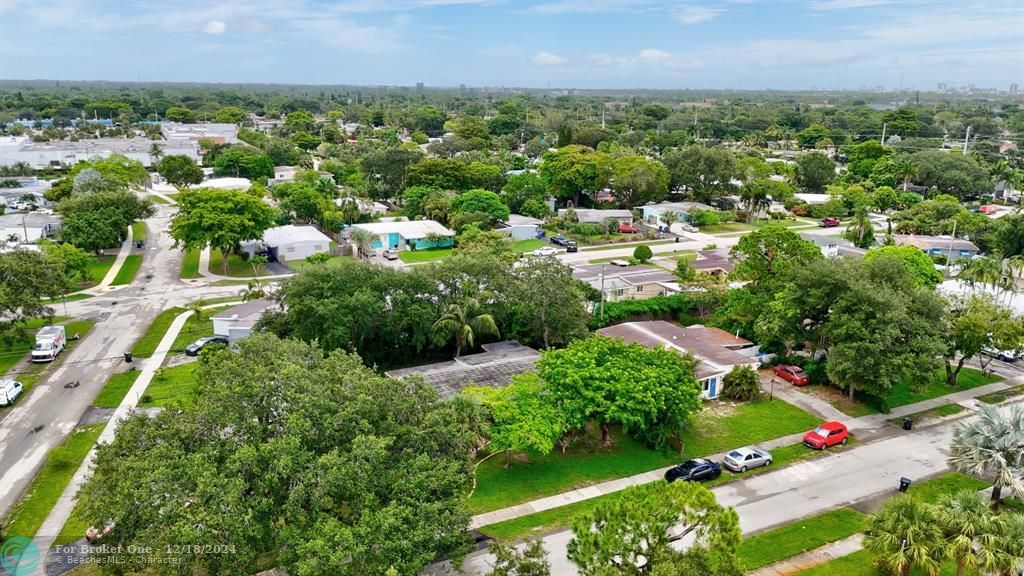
column 743, row 459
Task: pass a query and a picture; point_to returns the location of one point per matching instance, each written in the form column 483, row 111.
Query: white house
column 237, row 322
column 653, row 213
column 597, row 216
column 520, row 227
column 226, row 183
column 14, row 149
column 409, row 234
column 831, row 246
column 290, row 243
column 717, row 352
column 25, row 228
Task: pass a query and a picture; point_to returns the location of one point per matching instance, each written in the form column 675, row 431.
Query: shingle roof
column 495, row 367
column 712, row 346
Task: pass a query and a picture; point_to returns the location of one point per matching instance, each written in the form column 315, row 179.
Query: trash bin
column 128, row 357
column 138, row 244
column 908, row 423
column 904, row 484
column 677, row 239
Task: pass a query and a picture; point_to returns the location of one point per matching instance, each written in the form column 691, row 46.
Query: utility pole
column 884, row 126
column 949, row 251
column 966, row 139
column 602, row 290
column 602, row 117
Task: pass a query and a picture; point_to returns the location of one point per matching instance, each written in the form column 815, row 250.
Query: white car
column 9, row 391
column 545, row 251
column 391, row 254
column 1004, row 355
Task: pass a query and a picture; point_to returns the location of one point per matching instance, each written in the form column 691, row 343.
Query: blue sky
column 744, row 44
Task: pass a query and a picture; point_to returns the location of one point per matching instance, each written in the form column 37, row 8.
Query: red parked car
column 827, row 434
column 627, row 229
column 794, row 374
column 829, row 223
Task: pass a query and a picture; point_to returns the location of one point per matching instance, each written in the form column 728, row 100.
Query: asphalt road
column 41, row 419
column 803, row 489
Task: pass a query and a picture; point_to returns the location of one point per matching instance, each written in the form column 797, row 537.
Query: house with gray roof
column 494, row 367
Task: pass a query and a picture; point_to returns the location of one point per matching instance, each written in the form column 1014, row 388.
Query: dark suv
column 696, row 470
column 570, row 246
column 559, row 240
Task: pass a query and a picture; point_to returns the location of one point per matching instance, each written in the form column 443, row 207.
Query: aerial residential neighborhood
column 495, row 288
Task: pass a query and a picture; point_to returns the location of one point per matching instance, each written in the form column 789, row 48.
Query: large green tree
column 575, row 170
column 385, row 169
column 651, row 392
column 975, row 323
column 546, row 304
column 632, row 534
column 766, row 255
column 814, row 171
column 919, row 264
column 952, row 173
column 637, row 180
column 219, row 219
column 480, row 201
column 523, row 416
column 100, row 219
column 27, row 279
column 180, row 170
column 314, row 461
column 706, row 172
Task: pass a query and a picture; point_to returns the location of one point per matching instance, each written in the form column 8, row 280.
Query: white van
column 49, row 342
column 9, row 390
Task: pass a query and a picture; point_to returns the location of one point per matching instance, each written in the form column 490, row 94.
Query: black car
column 570, row 246
column 696, row 470
column 196, row 347
column 559, row 240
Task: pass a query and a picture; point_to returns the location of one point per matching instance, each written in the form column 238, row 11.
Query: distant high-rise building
column 462, row 87
column 419, row 86
column 942, row 86
column 1013, row 89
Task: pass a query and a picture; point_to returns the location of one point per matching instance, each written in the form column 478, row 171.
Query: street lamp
column 771, row 391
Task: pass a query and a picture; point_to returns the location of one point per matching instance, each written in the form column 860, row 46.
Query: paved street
column 804, row 489
column 42, row 419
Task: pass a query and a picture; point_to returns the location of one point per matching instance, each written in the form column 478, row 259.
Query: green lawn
column 726, row 228
column 300, row 265
column 151, row 338
column 114, row 390
column 139, row 231
column 719, row 428
column 625, row 245
column 128, row 270
column 931, row 490
column 563, row 516
column 799, row 537
column 190, row 265
column 529, row 245
column 175, row 387
column 237, row 267
column 196, row 328
column 901, row 394
column 418, row 256
column 158, row 199
column 925, row 415
column 98, row 269
column 997, row 397
column 61, row 463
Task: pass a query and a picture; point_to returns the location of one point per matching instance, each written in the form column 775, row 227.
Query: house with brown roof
column 716, row 351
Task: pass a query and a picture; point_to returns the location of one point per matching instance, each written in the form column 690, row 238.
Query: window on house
column 317, row 247
column 618, row 292
column 290, row 250
column 705, row 386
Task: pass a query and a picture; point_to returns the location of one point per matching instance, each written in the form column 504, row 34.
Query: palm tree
column 465, row 324
column 349, row 209
column 363, row 239
column 964, row 517
column 254, row 290
column 1001, row 551
column 155, row 152
column 669, row 218
column 905, row 169
column 905, row 534
column 199, row 312
column 860, row 231
column 986, row 270
column 992, row 446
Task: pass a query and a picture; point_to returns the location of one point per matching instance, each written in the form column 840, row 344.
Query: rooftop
column 29, row 220
column 246, row 313
column 680, row 206
column 222, row 132
column 713, row 260
column 712, row 346
column 291, row 233
column 495, row 366
column 822, row 240
column 407, row 228
column 113, row 145
column 520, row 220
column 595, row 215
column 930, row 242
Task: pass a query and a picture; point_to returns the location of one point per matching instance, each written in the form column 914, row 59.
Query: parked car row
column 740, row 460
column 569, row 245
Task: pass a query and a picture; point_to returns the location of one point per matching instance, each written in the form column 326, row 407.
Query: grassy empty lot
column 128, row 270
column 720, row 427
column 418, row 256
column 300, row 265
column 61, row 464
column 190, row 265
column 237, row 267
column 799, row 537
column 174, row 387
column 147, row 344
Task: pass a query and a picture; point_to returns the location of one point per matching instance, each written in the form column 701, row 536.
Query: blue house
column 952, row 248
column 652, row 213
column 409, row 234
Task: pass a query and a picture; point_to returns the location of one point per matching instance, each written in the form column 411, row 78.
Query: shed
column 237, row 322
column 289, row 243
column 520, row 227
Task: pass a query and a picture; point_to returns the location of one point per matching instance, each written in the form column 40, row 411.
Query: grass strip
column 128, row 270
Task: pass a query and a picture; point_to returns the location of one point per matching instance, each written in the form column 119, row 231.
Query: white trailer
column 49, row 342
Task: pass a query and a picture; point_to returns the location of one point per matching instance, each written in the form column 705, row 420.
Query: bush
column 320, row 258
column 658, row 307
column 741, row 383
column 701, row 218
column 584, row 229
column 799, row 210
column 643, row 253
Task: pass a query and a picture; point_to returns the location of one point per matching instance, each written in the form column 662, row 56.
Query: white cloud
column 215, row 27
column 548, row 59
column 847, row 4
column 693, row 14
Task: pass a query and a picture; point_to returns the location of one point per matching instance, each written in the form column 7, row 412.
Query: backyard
column 300, row 265
column 721, row 426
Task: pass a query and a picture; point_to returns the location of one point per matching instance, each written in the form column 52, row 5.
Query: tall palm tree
column 669, row 218
column 755, row 198
column 349, row 209
column 464, row 323
column 905, row 534
column 992, row 446
column 964, row 517
column 156, row 152
column 905, row 169
column 254, row 290
column 861, row 231
column 363, row 239
column 986, row 270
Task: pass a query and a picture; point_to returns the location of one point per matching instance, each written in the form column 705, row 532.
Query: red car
column 627, row 229
column 829, row 223
column 827, row 434
column 794, row 374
